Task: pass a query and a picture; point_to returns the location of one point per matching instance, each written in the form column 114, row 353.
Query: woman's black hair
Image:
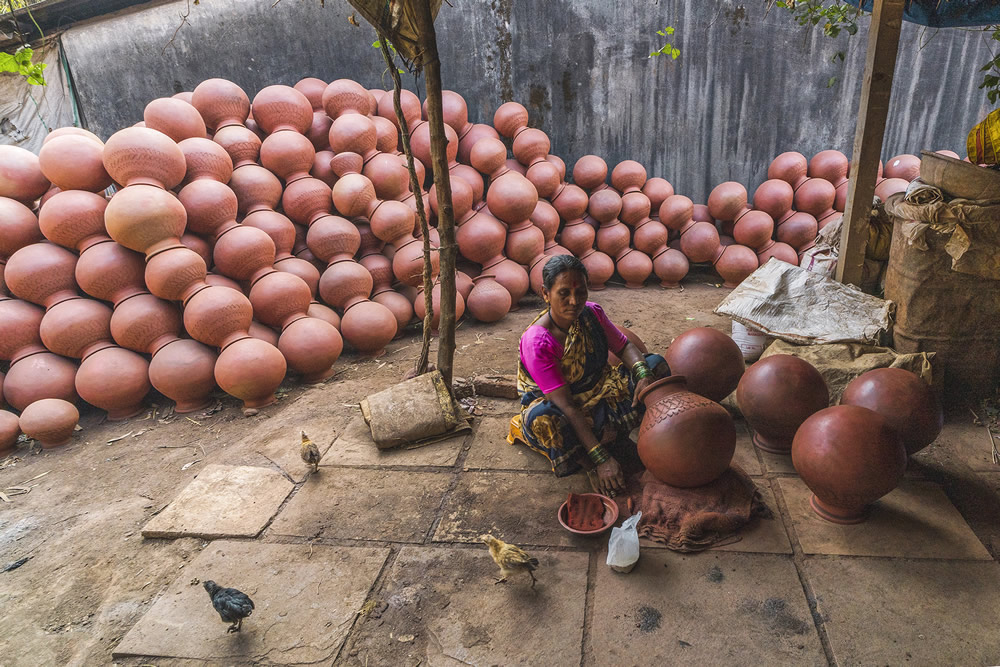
column 561, row 264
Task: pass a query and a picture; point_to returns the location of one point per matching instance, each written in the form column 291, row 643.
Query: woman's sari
column 602, row 392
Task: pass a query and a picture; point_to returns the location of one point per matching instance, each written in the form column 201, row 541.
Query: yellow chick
column 510, row 559
column 310, row 452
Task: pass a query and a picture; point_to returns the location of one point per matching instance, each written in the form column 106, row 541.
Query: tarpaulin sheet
column 28, row 113
column 945, row 13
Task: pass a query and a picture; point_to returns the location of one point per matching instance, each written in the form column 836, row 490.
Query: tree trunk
column 446, row 219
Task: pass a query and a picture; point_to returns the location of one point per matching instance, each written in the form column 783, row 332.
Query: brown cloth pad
column 694, row 519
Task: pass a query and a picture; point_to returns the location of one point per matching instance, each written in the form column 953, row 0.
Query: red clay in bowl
column 610, row 515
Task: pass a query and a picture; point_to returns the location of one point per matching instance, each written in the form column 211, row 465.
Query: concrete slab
column 355, row 447
column 489, row 449
column 746, row 455
column 223, row 501
column 305, row 600
column 915, row 521
column 440, row 606
column 891, row 612
column 779, row 464
column 704, row 609
column 516, row 507
column 962, row 441
column 352, row 503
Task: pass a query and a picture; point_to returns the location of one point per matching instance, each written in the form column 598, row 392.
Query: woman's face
column 568, row 295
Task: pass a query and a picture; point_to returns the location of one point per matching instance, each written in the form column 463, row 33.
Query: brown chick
column 510, row 559
column 310, row 452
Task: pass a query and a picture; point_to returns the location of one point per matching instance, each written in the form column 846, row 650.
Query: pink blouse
column 542, row 354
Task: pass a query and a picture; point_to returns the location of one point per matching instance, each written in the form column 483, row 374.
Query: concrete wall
column 746, row 87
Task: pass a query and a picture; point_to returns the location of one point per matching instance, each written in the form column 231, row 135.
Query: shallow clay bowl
column 610, row 515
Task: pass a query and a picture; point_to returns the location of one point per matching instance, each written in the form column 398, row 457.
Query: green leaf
column 377, row 44
column 851, row 28
column 7, row 63
column 675, row 54
column 23, row 56
column 670, row 30
column 661, row 33
column 833, row 80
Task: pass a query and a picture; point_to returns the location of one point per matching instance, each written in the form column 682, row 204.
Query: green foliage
column 991, row 76
column 667, row 49
column 20, row 62
column 378, row 45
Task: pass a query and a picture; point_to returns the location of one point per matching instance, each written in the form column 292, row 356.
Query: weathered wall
column 747, row 86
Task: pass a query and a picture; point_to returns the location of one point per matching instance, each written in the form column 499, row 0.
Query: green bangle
column 598, row 455
column 640, row 370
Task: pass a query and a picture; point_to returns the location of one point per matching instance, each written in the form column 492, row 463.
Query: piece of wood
column 880, row 65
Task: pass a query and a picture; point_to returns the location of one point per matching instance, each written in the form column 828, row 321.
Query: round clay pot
column 184, row 371
column 727, row 201
column 515, row 279
column 790, row 167
column 815, row 196
column 279, row 299
column 774, row 197
column 50, row 421
column 345, row 281
column 657, row 189
column 241, row 144
column 905, row 400
column 471, row 137
column 263, row 333
column 111, row 272
column 700, row 241
column 670, row 266
column 408, row 263
column 464, row 284
column 21, row 176
column 590, row 172
column 176, row 274
column 175, row 118
column 903, row 166
column 204, row 158
column 256, row 188
column 217, row 316
column 368, row 326
column 220, row 103
column 776, row 395
column 753, row 229
column 488, row 301
column 781, row 251
column 546, row 218
column 38, row 376
column 889, row 187
column 306, row 200
column 140, row 155
column 347, row 96
column 400, row 307
column 410, row 104
column 709, row 359
column 600, row 267
column 10, row 428
column 72, row 218
column 830, row 165
column 634, row 267
column 798, row 230
column 685, row 440
column 313, row 89
column 289, row 155
column 114, row 379
column 675, row 212
column 577, row 237
column 512, row 198
column 649, row 236
column 391, row 178
column 19, row 226
column 76, row 328
column 734, row 263
column 250, row 370
column 42, row 273
column 311, row 347
column 280, row 107
column 245, row 254
column 849, row 457
column 321, row 312
column 419, row 306
column 628, row 176
column 19, row 329
column 145, row 218
column 74, row 162
column 332, row 237
column 524, row 242
column 481, row 238
column 144, row 323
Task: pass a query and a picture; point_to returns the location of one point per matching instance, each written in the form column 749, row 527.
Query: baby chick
column 510, row 559
column 233, row 605
column 310, row 452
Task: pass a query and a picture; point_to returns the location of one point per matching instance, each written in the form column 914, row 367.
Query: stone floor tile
column 516, row 507
column 895, row 612
column 222, row 501
column 305, row 601
column 353, row 503
column 490, row 450
column 704, row 609
column 962, row 441
column 915, row 521
column 440, row 606
column 746, row 455
column 355, row 447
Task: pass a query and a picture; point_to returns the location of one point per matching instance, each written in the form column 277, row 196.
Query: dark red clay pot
column 685, row 440
column 600, row 268
column 776, row 395
column 50, row 421
column 905, row 400
column 114, row 379
column 849, row 457
column 590, row 172
column 903, row 166
column 710, row 360
column 798, row 230
column 250, row 370
column 634, row 266
column 515, row 279
column 184, row 371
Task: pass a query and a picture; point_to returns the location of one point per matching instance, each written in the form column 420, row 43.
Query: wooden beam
column 880, row 65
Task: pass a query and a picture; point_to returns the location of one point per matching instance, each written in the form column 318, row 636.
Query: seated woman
column 575, row 407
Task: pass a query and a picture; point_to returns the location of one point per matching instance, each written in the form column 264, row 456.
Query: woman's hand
column 639, row 386
column 610, row 479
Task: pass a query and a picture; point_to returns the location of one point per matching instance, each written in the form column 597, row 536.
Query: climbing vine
column 19, row 61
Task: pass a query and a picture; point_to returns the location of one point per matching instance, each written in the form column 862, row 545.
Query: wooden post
column 880, row 65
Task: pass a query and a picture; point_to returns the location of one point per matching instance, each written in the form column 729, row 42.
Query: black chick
column 233, row 605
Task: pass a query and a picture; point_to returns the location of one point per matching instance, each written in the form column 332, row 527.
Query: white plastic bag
column 623, row 547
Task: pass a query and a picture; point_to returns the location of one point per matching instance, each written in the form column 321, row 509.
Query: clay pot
column 332, row 237
column 72, row 218
column 776, row 395
column 905, row 166
column 524, row 242
column 889, row 187
column 481, row 238
column 657, row 189
column 220, row 103
column 675, row 212
column 612, row 235
column 391, row 178
column 144, row 323
column 628, row 176
column 649, row 236
column 279, row 299
column 464, row 284
column 734, row 263
column 250, row 370
column 830, row 165
column 306, row 200
column 264, row 333
column 256, row 189
column 577, row 237
column 347, row 96
column 175, row 118
column 114, row 379
column 205, row 159
column 489, row 301
column 400, row 307
column 512, row 277
column 753, row 229
column 9, row 430
column 217, row 316
column 387, row 136
column 905, row 400
column 184, row 371
column 19, row 329
column 790, row 167
column 419, row 306
column 146, row 219
column 311, row 346
column 685, row 440
column 277, row 108
column 42, row 273
column 815, row 196
column 21, row 176
column 175, row 275
column 774, row 197
column 781, row 251
column 138, row 155
column 634, row 267
column 798, row 230
column 19, row 227
column 670, row 266
column 546, row 218
column 368, row 326
column 727, row 201
column 408, row 262
column 74, row 162
column 344, row 282
column 289, row 155
column 600, row 267
column 50, row 421
column 240, row 143
column 849, row 457
column 590, row 172
column 38, row 376
column 709, row 359
column 699, row 241
column 313, row 89
column 512, row 198
column 410, row 105
column 111, row 272
column 76, row 328
column 246, row 254
column 321, row 312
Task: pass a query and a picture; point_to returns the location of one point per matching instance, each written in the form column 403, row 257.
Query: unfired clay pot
column 776, row 395
column 849, row 457
column 905, row 400
column 50, row 421
column 685, row 440
column 709, row 359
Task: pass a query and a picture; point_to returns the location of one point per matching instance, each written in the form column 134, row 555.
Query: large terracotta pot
column 709, row 359
column 9, row 430
column 753, row 229
column 50, row 421
column 279, row 107
column 220, row 103
column 849, row 457
column 139, row 155
column 670, row 266
column 489, row 301
column 250, row 370
column 38, row 376
column 774, row 197
column 600, row 267
column 184, row 371
column 205, row 159
column 311, row 346
column 798, row 230
column 727, row 201
column 74, row 162
column 368, row 326
column 685, row 440
column 42, row 273
column 114, row 379
column 906, row 401
column 175, row 118
column 790, row 167
column 776, row 395
column 734, row 263
column 590, row 173
column 19, row 226
column 634, row 267
column 699, row 241
column 21, row 176
column 146, row 219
